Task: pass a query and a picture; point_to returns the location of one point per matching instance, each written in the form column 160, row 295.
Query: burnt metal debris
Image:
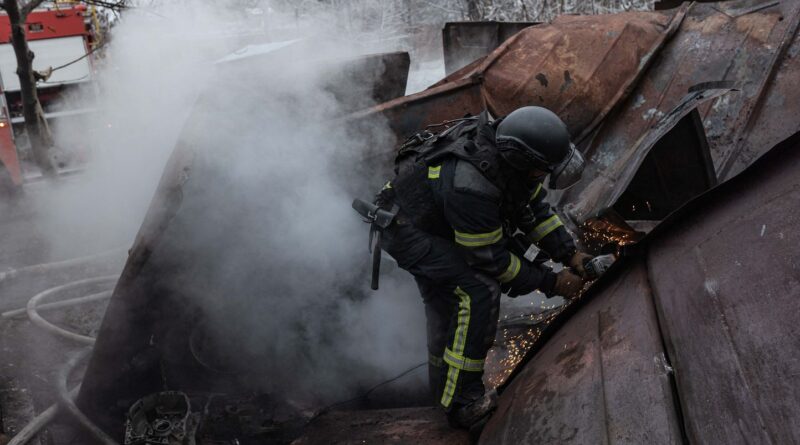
column 464, row 42
column 692, row 334
column 704, row 350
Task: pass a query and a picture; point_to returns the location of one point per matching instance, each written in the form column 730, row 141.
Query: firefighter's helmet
column 535, row 138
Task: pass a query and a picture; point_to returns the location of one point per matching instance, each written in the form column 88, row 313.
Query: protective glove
column 568, row 285
column 578, row 261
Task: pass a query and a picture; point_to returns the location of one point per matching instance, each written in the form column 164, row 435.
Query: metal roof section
column 464, row 42
column 693, row 337
column 579, row 66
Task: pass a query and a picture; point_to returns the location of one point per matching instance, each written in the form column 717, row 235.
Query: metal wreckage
column 689, row 120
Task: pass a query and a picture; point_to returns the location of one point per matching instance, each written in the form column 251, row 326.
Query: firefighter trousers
column 461, row 308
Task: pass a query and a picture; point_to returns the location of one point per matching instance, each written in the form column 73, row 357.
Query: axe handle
column 376, row 260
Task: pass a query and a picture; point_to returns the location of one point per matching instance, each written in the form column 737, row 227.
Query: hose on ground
column 33, row 427
column 11, row 273
column 99, row 296
column 50, row 327
column 69, row 405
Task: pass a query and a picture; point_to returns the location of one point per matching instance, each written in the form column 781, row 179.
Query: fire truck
column 60, row 34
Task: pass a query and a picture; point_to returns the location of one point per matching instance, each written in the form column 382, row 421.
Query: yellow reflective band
column 388, row 185
column 536, row 192
column 461, row 362
column 435, row 361
column 459, row 342
column 514, row 265
column 544, row 229
column 479, row 239
column 433, row 172
column 450, row 386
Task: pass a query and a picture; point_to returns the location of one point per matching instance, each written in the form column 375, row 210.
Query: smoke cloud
column 264, row 251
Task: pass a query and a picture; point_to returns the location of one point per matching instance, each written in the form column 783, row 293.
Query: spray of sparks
column 519, row 333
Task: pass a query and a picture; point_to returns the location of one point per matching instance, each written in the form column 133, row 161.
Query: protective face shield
column 568, row 172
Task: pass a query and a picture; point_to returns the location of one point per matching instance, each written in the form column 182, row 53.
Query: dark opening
column 678, row 168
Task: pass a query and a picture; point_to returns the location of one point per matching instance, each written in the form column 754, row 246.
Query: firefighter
column 460, row 196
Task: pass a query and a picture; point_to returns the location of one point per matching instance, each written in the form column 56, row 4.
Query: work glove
column 577, row 262
column 568, row 285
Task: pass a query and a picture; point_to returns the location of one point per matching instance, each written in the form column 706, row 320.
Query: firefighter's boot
column 474, row 415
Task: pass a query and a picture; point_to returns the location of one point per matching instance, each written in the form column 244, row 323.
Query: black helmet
column 535, row 138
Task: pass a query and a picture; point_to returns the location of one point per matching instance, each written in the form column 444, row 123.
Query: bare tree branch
column 26, row 9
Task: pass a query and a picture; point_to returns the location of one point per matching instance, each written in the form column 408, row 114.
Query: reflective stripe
column 479, row 239
column 536, row 192
column 435, row 361
column 388, row 185
column 543, row 229
column 511, row 272
column 459, row 342
column 433, row 172
column 450, row 386
column 461, row 362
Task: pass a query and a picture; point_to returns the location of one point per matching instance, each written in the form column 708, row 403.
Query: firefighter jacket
column 481, row 216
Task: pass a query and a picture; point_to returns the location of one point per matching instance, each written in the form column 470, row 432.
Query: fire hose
column 66, row 397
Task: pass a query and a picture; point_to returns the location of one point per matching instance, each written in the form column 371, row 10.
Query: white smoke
column 265, row 243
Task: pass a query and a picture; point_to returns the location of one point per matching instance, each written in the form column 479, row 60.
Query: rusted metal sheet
column 407, row 115
column 465, row 42
column 608, row 177
column 390, row 426
column 709, row 46
column 601, row 379
column 775, row 116
column 727, row 285
column 721, row 273
column 579, row 66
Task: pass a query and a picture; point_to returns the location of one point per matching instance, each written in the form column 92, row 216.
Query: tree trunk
column 473, row 12
column 35, row 124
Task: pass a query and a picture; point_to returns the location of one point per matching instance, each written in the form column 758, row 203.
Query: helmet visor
column 568, row 172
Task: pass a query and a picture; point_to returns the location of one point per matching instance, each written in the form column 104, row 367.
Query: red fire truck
column 58, row 34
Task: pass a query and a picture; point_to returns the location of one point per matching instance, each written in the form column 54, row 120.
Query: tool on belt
column 379, row 219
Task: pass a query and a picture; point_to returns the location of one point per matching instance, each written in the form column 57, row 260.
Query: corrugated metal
column 722, row 274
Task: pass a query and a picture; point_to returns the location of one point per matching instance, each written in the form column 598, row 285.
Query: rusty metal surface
column 390, row 426
column 727, row 279
column 580, row 66
column 601, row 379
column 776, row 115
column 584, row 68
column 709, row 46
column 608, row 175
column 465, row 42
column 722, row 274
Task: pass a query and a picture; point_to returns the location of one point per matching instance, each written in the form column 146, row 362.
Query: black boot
column 475, row 413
